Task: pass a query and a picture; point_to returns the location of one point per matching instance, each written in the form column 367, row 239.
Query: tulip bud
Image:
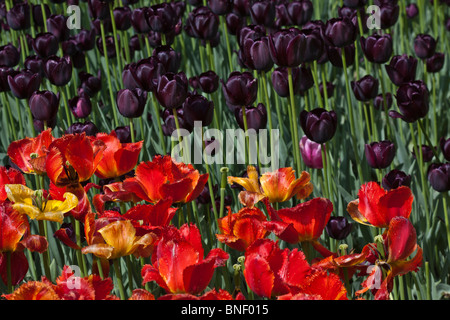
column 44, row 105
column 394, row 179
column 9, row 56
column 45, row 44
column 424, row 46
column 318, row 124
column 377, row 48
column 87, row 127
column 240, row 89
column 81, row 106
column 379, row 155
column 197, row 108
column 24, row 83
column 339, row 32
column 256, row 117
column 365, row 89
column 338, row 228
column 436, row 62
column 412, row 100
column 172, row 90
column 439, row 176
column 131, row 103
column 58, row 70
column 401, row 69
column 311, row 153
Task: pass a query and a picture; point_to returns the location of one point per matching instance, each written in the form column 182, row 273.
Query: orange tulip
column 9, row 176
column 118, row 158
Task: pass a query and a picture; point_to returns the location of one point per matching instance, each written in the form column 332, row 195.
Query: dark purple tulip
column 57, row 25
column 135, row 44
column 172, row 90
column 377, row 48
column 424, row 46
column 110, row 46
column 241, row 7
column 39, row 125
column 254, row 54
column 169, row 123
column 69, row 47
column 329, row 87
column 207, row 82
column 394, row 179
column 379, row 155
column 129, row 78
column 287, row 47
column 85, row 39
column 90, row 84
column 311, row 153
column 36, row 11
column 253, row 32
column 45, row 44
column 319, row 125
column 256, row 117
column 445, row 147
column 388, row 15
column 168, row 57
column 436, row 62
column 334, row 55
column 339, row 32
column 402, row 69
column 139, row 20
column 202, row 23
column 80, row 106
column 98, row 9
column 87, row 127
column 96, row 26
column 58, row 70
column 378, row 102
column 412, row 10
column 179, row 7
column 306, row 80
column 161, row 17
column 280, row 81
column 234, row 23
column 131, row 103
column 197, row 108
column 123, row 134
column 4, row 73
column 44, row 105
column 355, row 3
column 439, row 176
column 427, row 153
column 299, row 12
column 18, row 17
column 412, row 100
column 143, row 74
column 314, row 45
column 24, row 83
column 366, row 88
column 240, row 89
column 9, row 56
column 220, row 7
column 262, row 13
column 338, row 227
column 122, row 18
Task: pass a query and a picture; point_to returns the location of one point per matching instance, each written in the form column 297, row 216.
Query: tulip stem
column 108, row 74
column 116, row 40
column 133, row 138
column 385, row 106
column 445, row 198
column 324, row 171
column 223, row 185
column 66, row 106
column 8, row 110
column 158, row 120
column 30, row 120
column 100, row 268
column 45, row 257
column 352, row 120
column 19, row 116
column 316, row 83
column 269, row 110
column 227, row 40
column 324, row 88
column 294, row 123
column 118, row 273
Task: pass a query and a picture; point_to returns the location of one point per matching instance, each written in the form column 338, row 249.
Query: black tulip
column 439, row 176
column 240, row 89
column 262, row 13
column 24, row 83
column 90, row 84
column 299, row 12
column 379, row 155
column 87, row 127
column 161, row 17
column 402, row 69
column 197, row 108
column 81, row 106
column 131, row 103
column 412, row 101
column 57, row 25
column 319, row 125
column 44, row 105
column 427, row 153
column 365, row 89
column 436, row 62
column 220, row 7
column 172, row 90
column 9, row 56
column 256, row 117
column 18, row 17
column 45, row 44
column 339, row 32
column 58, row 70
column 377, row 48
column 378, row 102
column 424, row 46
column 207, row 82
column 394, row 179
column 338, row 227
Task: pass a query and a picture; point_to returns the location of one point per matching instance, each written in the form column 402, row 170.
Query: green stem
column 227, row 40
column 158, row 120
column 116, row 40
column 385, row 106
column 11, row 119
column 446, row 217
column 223, row 185
column 45, row 257
column 100, row 268
column 66, row 107
column 133, row 139
column 294, row 122
column 116, row 263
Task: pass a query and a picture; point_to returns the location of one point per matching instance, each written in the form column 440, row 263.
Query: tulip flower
column 15, row 238
column 439, row 176
column 239, row 230
column 197, row 108
column 119, row 240
column 424, row 46
column 45, row 44
column 9, row 55
column 9, row 176
column 376, row 206
column 412, row 100
column 122, row 17
column 193, row 272
column 412, row 10
column 162, row 178
column 377, row 48
column 380, row 155
column 57, row 25
column 18, row 17
column 58, row 70
column 287, row 47
column 303, row 223
column 436, row 62
column 300, row 12
column 256, row 117
column 44, row 105
column 88, row 127
column 202, row 23
column 277, row 186
column 311, row 153
column 366, row 88
column 113, row 192
column 36, row 206
column 445, row 147
column 144, row 74
column 167, row 57
column 220, row 7
column 427, row 153
column 131, row 103
column 339, row 32
column 378, row 102
column 172, row 90
column 319, row 125
column 354, row 3
column 240, row 89
column 334, row 54
column 262, row 13
column 29, row 154
column 389, row 13
column 118, row 158
column 24, row 83
column 207, row 82
column 402, row 69
column 394, row 179
column 90, row 84
column 267, row 268
column 161, row 17
column 338, row 227
column 254, row 54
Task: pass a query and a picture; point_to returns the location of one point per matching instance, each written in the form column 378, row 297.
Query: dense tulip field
column 224, row 150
